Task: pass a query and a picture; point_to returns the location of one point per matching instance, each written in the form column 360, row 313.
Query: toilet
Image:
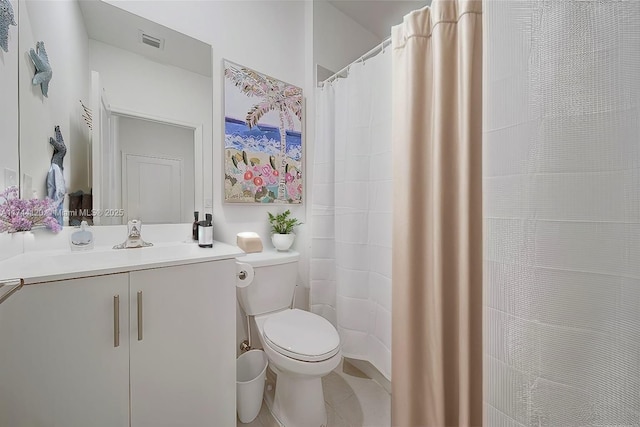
column 302, row 347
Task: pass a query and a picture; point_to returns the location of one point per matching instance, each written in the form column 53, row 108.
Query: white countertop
column 48, row 266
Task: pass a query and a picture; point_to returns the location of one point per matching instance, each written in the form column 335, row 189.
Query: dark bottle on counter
column 194, row 231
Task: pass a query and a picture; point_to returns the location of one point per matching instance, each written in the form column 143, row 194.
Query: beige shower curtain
column 437, row 240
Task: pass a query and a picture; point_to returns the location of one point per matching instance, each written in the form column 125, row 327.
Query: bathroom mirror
column 9, row 105
column 133, row 100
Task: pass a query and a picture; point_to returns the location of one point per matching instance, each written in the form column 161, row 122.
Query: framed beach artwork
column 263, row 157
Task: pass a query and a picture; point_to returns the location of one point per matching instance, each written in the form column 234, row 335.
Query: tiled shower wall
column 562, row 213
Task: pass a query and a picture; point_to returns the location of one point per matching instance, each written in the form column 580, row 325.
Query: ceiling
column 378, row 16
column 112, row 25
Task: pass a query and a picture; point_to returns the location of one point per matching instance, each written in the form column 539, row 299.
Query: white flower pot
column 283, row 242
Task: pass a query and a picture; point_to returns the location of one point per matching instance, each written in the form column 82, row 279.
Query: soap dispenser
column 205, row 232
column 81, row 240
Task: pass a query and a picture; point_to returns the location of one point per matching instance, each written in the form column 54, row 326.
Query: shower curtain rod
column 379, row 48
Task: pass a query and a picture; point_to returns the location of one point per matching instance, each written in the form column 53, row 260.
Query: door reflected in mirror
column 155, row 159
column 133, row 100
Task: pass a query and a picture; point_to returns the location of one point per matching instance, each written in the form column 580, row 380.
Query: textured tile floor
column 353, row 400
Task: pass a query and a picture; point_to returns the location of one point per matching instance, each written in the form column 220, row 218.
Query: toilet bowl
column 302, row 347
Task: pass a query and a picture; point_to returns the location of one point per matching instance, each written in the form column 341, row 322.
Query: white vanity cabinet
column 58, row 362
column 183, row 368
column 61, row 364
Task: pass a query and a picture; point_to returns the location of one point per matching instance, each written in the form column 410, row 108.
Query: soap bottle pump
column 81, row 240
column 194, row 228
column 205, row 232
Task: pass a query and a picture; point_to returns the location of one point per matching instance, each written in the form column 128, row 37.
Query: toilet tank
column 273, row 283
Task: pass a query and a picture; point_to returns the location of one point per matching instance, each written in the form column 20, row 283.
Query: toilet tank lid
column 261, row 259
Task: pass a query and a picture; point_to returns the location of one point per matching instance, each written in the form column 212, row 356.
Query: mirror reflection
column 9, row 91
column 131, row 102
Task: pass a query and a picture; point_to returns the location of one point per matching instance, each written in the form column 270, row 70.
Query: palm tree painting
column 263, row 139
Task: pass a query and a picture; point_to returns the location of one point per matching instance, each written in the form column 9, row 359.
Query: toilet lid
column 302, row 335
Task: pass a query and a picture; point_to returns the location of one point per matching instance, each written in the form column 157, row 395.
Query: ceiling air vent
column 155, row 42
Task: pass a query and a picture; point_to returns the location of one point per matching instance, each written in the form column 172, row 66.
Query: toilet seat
column 301, row 335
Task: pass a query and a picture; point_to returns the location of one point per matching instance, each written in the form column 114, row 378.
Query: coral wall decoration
column 263, row 157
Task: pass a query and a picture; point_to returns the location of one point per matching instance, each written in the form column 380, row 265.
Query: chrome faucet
column 134, row 239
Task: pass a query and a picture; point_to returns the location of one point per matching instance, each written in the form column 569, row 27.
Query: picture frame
column 260, row 112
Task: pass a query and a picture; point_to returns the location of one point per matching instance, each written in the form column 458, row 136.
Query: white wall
column 338, row 40
column 59, row 24
column 135, row 83
column 145, row 137
column 9, row 105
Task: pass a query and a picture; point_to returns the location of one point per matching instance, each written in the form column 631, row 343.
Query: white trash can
column 251, row 369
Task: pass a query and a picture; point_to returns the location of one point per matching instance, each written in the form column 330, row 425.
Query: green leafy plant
column 282, row 223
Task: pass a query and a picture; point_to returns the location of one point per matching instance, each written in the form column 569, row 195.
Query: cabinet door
column 58, row 363
column 183, row 364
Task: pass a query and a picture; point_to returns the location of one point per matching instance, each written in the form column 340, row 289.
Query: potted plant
column 282, row 235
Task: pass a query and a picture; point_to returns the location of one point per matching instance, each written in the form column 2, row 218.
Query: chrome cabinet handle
column 116, row 321
column 139, row 315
